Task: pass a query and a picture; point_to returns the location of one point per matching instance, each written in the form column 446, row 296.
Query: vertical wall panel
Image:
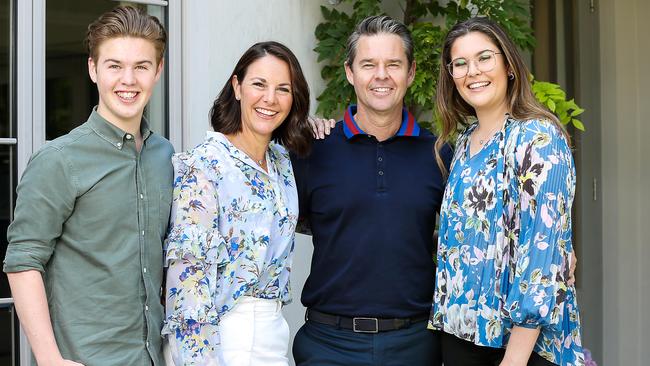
column 625, row 110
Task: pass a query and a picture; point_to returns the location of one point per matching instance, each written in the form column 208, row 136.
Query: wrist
column 48, row 359
column 509, row 361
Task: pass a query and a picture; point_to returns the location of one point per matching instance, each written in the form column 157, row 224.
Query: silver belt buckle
column 354, row 325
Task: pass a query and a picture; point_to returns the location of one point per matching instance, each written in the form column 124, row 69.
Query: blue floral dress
column 505, row 242
column 231, row 235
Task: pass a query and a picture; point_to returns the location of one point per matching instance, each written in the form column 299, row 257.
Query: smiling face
column 485, row 91
column 380, row 73
column 125, row 72
column 265, row 95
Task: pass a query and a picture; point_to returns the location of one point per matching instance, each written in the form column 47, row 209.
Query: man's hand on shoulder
column 320, row 126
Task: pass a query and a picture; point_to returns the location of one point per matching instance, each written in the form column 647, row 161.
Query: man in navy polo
column 370, row 193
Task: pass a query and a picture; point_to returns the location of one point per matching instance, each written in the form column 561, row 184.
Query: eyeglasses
column 485, row 62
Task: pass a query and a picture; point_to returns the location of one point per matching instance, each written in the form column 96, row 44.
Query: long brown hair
column 294, row 133
column 453, row 110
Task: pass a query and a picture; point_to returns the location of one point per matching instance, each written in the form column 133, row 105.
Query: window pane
column 5, row 71
column 8, row 334
column 69, row 92
column 7, row 158
column 7, row 172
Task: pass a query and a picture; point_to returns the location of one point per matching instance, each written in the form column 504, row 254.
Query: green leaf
column 578, row 124
column 577, row 111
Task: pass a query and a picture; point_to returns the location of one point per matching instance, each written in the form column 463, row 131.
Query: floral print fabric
column 505, row 242
column 231, row 235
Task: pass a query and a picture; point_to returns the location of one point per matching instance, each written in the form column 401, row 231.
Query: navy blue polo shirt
column 371, row 206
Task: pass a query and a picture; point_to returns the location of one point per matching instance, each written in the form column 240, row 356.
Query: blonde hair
column 452, row 109
column 126, row 21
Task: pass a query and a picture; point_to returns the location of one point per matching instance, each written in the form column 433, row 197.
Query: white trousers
column 253, row 333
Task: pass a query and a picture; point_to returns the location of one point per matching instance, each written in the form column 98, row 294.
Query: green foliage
column 554, row 98
column 429, row 22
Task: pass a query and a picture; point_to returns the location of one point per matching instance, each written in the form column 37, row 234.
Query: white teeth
column 266, row 112
column 478, row 85
column 126, row 95
column 381, row 90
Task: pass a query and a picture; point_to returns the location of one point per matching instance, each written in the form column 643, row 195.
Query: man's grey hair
column 378, row 24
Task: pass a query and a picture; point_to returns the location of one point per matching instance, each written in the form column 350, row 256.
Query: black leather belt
column 363, row 324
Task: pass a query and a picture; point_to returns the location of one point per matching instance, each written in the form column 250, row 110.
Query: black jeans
column 459, row 352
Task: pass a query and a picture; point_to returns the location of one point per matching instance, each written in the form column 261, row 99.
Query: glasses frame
column 475, row 60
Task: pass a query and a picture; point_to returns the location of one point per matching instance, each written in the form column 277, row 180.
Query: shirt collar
column 221, row 141
column 409, row 126
column 112, row 133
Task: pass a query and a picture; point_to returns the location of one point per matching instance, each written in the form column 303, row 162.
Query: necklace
column 485, row 138
column 259, row 162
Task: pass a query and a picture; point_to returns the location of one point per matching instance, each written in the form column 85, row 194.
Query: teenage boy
column 85, row 248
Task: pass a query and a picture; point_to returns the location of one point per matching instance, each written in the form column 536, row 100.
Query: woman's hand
column 320, row 126
column 572, row 270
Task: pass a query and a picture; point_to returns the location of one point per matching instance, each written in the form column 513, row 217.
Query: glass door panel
column 8, row 320
column 5, row 73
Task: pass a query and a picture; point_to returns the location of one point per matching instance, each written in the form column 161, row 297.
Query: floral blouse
column 505, row 242
column 231, row 235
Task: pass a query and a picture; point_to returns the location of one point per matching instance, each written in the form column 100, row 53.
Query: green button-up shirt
column 91, row 216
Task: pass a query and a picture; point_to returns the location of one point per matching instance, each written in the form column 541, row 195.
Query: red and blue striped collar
column 409, row 125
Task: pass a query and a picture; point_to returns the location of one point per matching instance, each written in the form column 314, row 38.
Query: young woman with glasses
column 502, row 296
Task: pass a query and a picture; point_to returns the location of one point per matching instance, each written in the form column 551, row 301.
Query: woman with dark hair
column 234, row 211
column 505, row 225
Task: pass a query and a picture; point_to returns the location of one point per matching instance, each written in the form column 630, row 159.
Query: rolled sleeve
column 46, row 198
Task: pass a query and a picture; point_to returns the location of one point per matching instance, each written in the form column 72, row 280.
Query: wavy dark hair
column 294, row 133
column 125, row 21
column 453, row 109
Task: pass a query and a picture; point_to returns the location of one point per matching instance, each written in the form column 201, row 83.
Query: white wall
column 215, row 34
column 625, row 96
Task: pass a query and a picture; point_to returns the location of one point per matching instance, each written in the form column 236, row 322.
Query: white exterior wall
column 215, row 35
column 624, row 54
column 217, row 32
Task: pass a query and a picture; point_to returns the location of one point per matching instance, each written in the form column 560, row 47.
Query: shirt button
column 380, row 159
column 128, row 137
column 147, row 344
column 142, row 232
column 119, row 144
column 146, row 308
column 141, row 196
column 381, row 172
column 144, row 269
